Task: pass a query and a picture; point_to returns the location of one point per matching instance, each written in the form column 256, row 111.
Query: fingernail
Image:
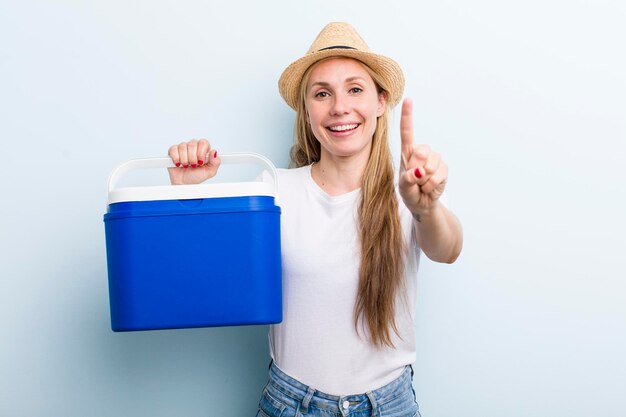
column 185, row 166
column 193, row 165
column 215, row 154
column 418, row 174
column 200, row 162
column 177, row 164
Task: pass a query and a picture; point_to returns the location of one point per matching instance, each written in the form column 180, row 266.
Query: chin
column 345, row 153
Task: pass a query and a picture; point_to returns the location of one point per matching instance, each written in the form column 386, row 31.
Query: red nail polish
column 193, row 165
column 200, row 162
column 185, row 166
column 418, row 174
column 215, row 154
column 177, row 164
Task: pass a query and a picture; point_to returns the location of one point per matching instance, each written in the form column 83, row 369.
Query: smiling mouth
column 343, row 128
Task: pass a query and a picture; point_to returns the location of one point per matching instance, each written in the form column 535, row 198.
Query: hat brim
column 386, row 68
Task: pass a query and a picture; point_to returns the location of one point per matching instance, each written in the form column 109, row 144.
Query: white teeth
column 343, row 128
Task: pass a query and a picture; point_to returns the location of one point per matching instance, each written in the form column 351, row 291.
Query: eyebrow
column 347, row 80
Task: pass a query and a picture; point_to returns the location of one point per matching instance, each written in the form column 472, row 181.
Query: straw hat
column 341, row 39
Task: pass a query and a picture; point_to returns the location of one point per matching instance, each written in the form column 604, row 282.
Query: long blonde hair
column 381, row 270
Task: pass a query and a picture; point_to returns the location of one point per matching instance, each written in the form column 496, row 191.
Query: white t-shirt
column 317, row 342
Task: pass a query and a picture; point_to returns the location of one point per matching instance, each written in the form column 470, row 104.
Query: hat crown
column 340, row 39
column 338, row 35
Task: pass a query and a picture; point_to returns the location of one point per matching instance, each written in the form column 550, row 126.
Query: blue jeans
column 284, row 396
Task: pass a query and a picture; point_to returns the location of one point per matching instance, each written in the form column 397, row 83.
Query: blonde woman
column 352, row 231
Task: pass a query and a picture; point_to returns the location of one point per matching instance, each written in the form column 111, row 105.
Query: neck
column 338, row 175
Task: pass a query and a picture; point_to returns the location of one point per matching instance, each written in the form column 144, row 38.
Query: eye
column 356, row 90
column 321, row 94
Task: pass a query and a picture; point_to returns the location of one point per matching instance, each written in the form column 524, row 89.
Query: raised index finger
column 406, row 130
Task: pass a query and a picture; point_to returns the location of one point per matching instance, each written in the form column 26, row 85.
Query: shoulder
column 293, row 172
column 288, row 178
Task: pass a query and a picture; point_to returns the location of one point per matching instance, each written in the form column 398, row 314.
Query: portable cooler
column 183, row 256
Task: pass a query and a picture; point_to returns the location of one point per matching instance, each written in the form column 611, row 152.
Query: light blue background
column 526, row 100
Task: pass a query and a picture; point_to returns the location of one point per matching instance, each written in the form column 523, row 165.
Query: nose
column 340, row 106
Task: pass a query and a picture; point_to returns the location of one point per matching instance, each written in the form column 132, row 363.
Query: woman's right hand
column 191, row 164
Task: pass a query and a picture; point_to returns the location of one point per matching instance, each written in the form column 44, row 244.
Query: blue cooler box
column 193, row 255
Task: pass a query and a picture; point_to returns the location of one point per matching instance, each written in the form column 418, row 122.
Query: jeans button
column 346, row 405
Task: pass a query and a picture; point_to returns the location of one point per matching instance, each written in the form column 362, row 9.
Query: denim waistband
column 306, row 396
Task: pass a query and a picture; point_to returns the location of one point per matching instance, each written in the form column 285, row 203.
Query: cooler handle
column 166, row 162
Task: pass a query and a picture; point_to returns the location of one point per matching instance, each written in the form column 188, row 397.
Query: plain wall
column 525, row 100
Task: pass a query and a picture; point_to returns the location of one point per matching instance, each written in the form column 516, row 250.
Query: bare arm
column 423, row 177
column 439, row 234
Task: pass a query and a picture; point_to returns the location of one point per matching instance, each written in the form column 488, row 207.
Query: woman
column 350, row 238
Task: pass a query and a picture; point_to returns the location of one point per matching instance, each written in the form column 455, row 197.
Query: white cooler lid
column 188, row 192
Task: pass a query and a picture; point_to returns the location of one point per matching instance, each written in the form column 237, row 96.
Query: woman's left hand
column 423, row 174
